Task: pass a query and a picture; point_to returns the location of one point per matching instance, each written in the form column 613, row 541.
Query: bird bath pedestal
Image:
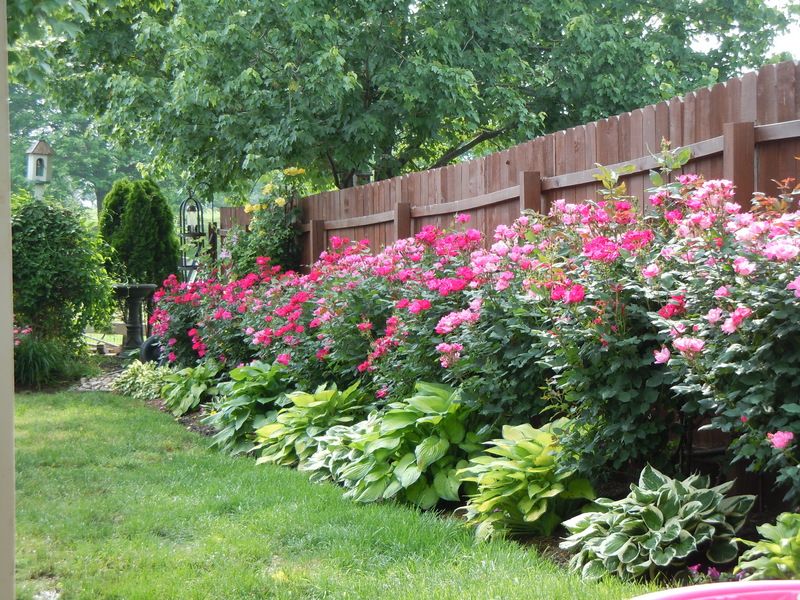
column 134, row 295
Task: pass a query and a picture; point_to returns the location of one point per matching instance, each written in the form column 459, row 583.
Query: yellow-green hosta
column 291, row 439
column 519, row 486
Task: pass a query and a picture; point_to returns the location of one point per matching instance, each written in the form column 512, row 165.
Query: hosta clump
column 520, row 489
column 141, row 381
column 414, row 450
column 290, row 439
column 658, row 525
column 247, row 402
column 186, row 389
column 334, row 450
column 777, row 554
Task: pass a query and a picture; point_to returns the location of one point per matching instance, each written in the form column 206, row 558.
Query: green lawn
column 116, row 500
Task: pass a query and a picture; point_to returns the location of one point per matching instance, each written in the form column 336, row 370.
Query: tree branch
column 334, row 172
column 457, row 151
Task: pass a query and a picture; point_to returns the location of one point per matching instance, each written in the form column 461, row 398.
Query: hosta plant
column 141, row 381
column 290, row 439
column 777, row 554
column 658, row 525
column 334, row 450
column 247, row 402
column 414, row 450
column 519, row 486
column 186, row 389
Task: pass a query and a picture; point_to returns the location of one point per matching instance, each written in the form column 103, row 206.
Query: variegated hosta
column 659, row 524
column 291, row 438
column 519, row 488
column 411, row 452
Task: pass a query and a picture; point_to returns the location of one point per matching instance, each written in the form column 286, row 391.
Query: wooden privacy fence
column 746, row 130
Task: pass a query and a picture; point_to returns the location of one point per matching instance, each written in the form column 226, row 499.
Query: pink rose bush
column 620, row 321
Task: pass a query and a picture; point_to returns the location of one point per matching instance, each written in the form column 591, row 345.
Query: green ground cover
column 116, row 500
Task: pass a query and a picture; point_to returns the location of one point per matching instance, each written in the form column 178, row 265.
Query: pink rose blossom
column 742, row 266
column 688, row 346
column 780, row 439
column 651, row 270
column 794, row 285
column 662, row 356
column 714, row 315
column 722, row 292
column 283, row 359
column 463, row 218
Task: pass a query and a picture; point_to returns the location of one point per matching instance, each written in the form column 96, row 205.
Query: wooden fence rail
column 746, row 130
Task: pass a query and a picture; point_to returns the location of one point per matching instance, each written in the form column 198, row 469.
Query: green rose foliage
column 660, row 524
column 139, row 225
column 60, row 283
column 777, row 554
column 519, row 486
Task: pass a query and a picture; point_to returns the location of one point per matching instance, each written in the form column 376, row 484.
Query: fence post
column 530, row 191
column 738, row 159
column 316, row 239
column 402, row 220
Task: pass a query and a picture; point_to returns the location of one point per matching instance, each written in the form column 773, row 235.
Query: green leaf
column 446, row 484
column 722, row 551
column 396, row 419
column 430, row 450
column 651, row 479
column 652, row 517
column 578, row 488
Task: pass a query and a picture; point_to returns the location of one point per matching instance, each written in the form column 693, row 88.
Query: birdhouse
column 40, row 168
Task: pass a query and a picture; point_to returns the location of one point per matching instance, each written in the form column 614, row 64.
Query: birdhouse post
column 40, row 166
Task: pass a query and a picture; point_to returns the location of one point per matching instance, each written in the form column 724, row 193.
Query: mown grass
column 116, row 500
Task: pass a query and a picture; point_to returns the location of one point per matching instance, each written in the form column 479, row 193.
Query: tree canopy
column 227, row 90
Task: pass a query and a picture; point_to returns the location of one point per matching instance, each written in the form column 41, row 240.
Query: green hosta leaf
column 652, row 517
column 722, row 551
column 430, row 450
column 663, row 556
column 593, row 570
column 396, row 419
column 446, row 484
column 430, row 405
column 453, row 430
column 792, row 408
column 372, row 492
column 578, row 488
column 652, row 479
column 406, row 470
column 613, row 543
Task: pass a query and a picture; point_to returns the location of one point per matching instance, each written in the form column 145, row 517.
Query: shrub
column 777, row 554
column 186, row 389
column 60, row 283
column 660, row 524
column 139, row 225
column 141, row 381
column 39, row 361
column 273, row 230
column 291, row 438
column 519, row 486
column 245, row 403
column 728, row 288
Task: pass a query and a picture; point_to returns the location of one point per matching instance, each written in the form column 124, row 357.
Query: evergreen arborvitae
column 139, row 225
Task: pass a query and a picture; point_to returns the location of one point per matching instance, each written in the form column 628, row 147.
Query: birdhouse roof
column 40, row 147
